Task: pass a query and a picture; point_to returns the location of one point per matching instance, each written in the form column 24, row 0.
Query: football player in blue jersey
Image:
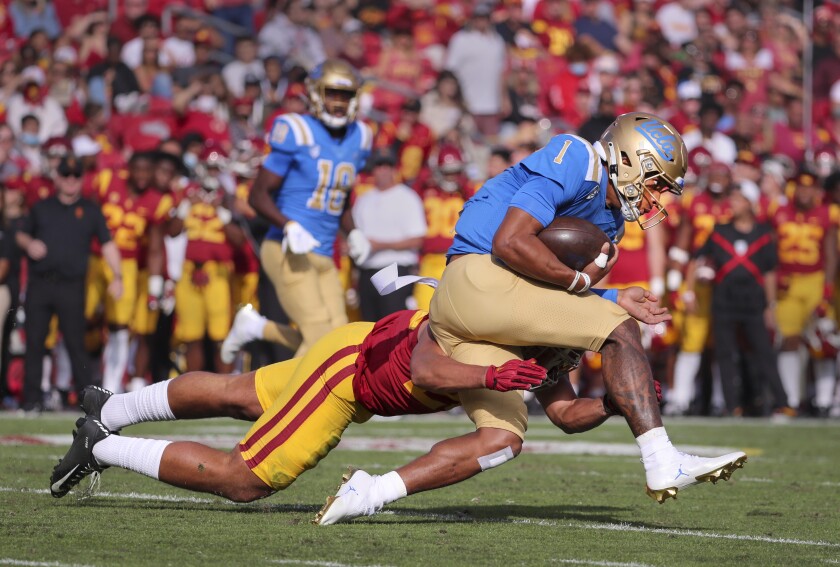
column 504, row 289
column 303, row 190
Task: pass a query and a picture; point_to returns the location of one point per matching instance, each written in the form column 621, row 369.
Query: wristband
column 155, row 286
column 586, row 283
column 224, row 215
column 673, row 280
column 574, row 282
column 828, row 291
column 657, row 286
column 678, row 255
column 183, row 209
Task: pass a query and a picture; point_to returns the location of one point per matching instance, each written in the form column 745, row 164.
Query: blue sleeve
column 608, row 294
column 539, row 197
column 283, row 146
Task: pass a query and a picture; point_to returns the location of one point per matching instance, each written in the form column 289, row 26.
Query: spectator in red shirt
column 123, row 28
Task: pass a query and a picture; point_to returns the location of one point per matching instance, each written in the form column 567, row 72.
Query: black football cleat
column 79, row 460
column 92, row 399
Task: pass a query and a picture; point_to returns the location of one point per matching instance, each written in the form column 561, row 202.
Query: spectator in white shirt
column 32, row 100
column 478, row 57
column 392, row 217
column 245, row 64
column 677, row 22
column 147, row 27
column 721, row 146
column 179, row 50
column 290, row 35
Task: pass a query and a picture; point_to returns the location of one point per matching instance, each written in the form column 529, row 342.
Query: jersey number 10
column 334, row 183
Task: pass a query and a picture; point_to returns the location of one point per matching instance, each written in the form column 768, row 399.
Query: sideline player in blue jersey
column 504, row 289
column 312, row 167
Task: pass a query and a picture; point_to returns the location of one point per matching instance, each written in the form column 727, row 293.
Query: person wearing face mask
column 701, row 212
column 202, row 107
column 29, row 143
column 444, row 192
column 33, row 99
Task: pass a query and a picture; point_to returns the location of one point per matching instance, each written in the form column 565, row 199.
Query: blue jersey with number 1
column 565, row 178
column 318, row 173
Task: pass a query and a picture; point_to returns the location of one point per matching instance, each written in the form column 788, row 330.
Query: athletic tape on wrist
column 586, row 283
column 678, row 255
column 495, row 459
column 574, row 282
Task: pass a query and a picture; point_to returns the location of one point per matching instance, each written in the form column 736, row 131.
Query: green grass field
column 578, row 500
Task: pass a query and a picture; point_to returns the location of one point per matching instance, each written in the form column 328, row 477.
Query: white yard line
column 623, row 527
column 599, row 563
column 318, row 563
column 416, row 444
column 10, row 561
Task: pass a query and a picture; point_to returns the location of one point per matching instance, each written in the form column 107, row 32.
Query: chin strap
column 628, row 210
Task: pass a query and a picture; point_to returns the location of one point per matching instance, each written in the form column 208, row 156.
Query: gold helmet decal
column 333, row 88
column 639, row 148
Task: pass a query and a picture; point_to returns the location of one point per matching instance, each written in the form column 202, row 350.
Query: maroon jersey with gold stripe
column 383, row 369
column 800, row 237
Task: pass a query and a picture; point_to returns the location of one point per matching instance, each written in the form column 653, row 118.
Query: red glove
column 612, row 409
column 514, row 375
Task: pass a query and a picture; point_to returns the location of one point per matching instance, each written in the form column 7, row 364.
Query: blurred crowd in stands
column 176, row 96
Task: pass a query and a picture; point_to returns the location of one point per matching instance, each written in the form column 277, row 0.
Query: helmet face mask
column 333, row 88
column 643, row 154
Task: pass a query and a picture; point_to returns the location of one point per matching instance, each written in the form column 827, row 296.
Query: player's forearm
column 404, row 244
column 23, row 240
column 262, row 202
column 444, row 375
column 527, row 255
column 578, row 415
column 111, row 254
column 155, row 259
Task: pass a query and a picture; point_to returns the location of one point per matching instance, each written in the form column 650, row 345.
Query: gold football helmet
column 333, row 88
column 642, row 151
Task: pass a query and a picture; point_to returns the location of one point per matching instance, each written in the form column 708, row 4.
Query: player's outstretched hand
column 297, row 239
column 602, row 264
column 514, row 375
column 643, row 305
column 358, row 246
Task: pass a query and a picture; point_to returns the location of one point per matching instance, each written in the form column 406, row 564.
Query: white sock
column 718, row 401
column 146, row 404
column 686, row 368
column 656, row 447
column 132, row 453
column 63, row 368
column 824, row 382
column 790, row 371
column 115, row 360
column 46, row 373
column 386, row 489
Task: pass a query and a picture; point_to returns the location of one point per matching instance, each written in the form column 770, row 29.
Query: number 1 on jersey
column 558, row 159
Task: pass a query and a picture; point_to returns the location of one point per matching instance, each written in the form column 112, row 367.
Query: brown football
column 576, row 242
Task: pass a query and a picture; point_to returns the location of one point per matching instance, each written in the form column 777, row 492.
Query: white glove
column 358, row 246
column 297, row 239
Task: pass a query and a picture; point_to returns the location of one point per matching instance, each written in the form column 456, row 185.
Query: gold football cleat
column 722, row 473
column 345, row 478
